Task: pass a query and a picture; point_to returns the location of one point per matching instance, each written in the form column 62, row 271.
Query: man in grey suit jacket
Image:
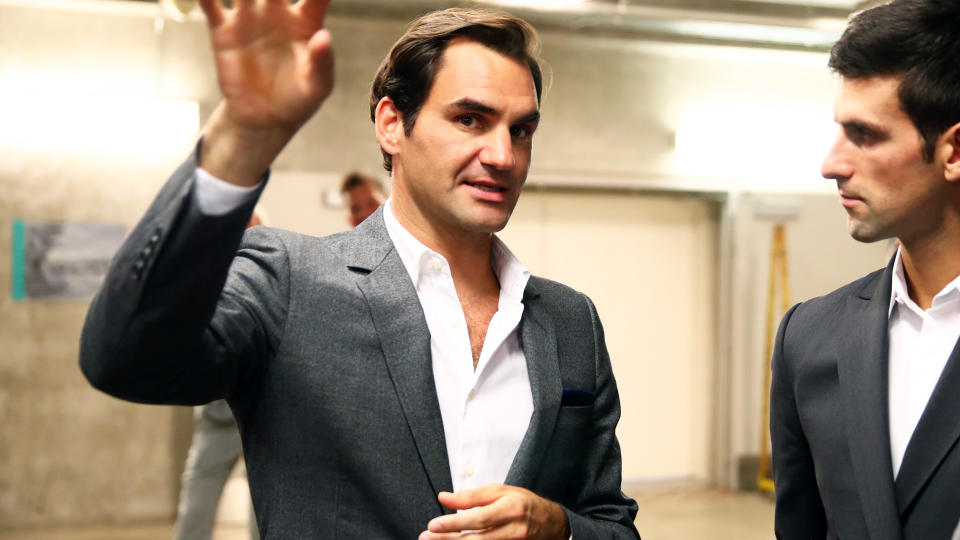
column 384, row 377
column 865, row 400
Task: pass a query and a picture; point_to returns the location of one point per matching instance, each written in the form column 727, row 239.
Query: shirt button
column 453, row 323
column 436, row 264
column 468, row 471
column 472, row 394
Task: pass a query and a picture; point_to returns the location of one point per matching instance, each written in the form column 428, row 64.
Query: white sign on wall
column 62, row 260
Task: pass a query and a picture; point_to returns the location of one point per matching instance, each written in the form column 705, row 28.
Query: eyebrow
column 468, row 104
column 862, row 125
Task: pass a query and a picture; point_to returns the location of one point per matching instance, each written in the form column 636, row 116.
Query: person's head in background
column 362, row 195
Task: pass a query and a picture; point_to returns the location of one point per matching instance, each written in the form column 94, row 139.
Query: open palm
column 274, row 60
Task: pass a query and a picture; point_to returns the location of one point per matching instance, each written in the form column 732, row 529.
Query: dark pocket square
column 573, row 397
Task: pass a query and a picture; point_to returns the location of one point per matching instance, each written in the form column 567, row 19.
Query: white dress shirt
column 920, row 344
column 216, row 197
column 485, row 411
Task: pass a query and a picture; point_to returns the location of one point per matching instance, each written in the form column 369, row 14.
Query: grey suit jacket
column 322, row 350
column 829, row 424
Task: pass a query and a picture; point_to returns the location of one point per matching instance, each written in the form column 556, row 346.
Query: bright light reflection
column 537, row 4
column 97, row 124
column 762, row 147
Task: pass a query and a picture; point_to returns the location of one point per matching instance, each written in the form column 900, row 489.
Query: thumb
column 470, row 498
column 320, row 49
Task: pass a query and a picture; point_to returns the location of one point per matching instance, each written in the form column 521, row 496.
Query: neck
column 931, row 262
column 467, row 252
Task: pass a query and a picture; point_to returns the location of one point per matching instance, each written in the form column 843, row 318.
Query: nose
column 836, row 165
column 498, row 151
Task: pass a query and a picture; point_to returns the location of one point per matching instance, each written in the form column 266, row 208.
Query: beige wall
column 69, row 454
column 821, row 257
column 643, row 259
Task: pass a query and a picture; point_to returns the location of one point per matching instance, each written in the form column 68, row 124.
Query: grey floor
column 681, row 512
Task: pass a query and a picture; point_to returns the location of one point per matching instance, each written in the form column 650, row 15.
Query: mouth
column 487, row 190
column 486, row 185
column 849, row 199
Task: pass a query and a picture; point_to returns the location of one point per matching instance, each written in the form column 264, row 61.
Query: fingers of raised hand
column 213, row 10
column 314, row 9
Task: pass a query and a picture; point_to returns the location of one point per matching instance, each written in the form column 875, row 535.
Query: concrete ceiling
column 786, row 24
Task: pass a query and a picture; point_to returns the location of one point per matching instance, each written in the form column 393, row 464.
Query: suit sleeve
column 168, row 325
column 601, row 510
column 799, row 511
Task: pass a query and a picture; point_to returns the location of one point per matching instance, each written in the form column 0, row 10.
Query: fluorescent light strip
column 102, row 124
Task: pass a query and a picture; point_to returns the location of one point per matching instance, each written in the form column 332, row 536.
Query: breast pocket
column 574, row 415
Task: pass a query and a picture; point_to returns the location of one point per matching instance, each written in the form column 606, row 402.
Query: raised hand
column 275, row 67
column 498, row 511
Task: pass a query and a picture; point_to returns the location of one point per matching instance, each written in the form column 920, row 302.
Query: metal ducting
column 787, row 24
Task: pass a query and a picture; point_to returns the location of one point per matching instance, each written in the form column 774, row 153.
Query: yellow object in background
column 779, row 275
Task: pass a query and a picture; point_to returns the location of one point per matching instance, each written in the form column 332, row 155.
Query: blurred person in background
column 362, row 195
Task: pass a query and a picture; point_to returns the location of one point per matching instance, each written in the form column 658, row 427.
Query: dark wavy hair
column 407, row 73
column 918, row 40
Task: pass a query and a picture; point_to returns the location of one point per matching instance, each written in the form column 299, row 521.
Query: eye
column 855, row 134
column 468, row 120
column 860, row 135
column 521, row 132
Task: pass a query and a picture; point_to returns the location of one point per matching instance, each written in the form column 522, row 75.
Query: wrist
column 565, row 531
column 240, row 154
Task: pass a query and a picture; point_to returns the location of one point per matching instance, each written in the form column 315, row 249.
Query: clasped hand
column 498, row 511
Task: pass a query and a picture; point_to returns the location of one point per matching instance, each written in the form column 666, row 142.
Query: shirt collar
column 899, row 292
column 898, row 288
column 512, row 275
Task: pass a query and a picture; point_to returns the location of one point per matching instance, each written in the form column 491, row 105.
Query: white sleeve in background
column 216, row 197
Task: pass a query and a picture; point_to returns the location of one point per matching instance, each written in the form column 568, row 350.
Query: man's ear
column 389, row 126
column 951, row 166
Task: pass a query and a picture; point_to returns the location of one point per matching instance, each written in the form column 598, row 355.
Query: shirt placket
column 451, row 329
column 470, row 449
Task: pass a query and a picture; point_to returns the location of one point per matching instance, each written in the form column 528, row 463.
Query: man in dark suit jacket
column 344, row 358
column 865, row 401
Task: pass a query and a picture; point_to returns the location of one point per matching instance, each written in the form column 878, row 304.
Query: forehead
column 873, row 100
column 469, row 69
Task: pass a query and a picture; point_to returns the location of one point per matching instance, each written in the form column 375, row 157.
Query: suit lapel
column 862, row 372
column 405, row 339
column 936, row 433
column 538, row 340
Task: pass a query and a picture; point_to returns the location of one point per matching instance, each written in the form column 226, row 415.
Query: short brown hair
column 407, row 73
column 357, row 178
